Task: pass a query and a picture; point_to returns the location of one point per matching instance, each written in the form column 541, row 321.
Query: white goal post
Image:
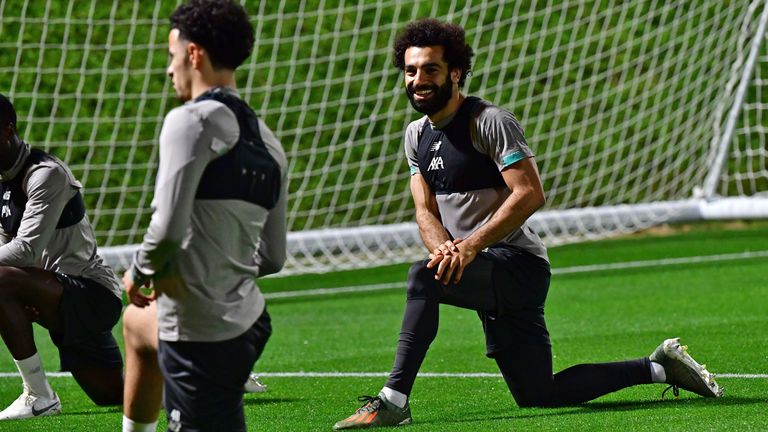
column 640, row 112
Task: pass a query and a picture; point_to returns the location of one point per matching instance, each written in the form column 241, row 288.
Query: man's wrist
column 471, row 245
column 137, row 276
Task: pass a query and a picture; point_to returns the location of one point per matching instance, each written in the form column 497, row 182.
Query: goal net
column 640, row 112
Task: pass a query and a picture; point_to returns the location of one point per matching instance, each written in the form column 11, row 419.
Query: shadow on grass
column 596, row 407
column 334, row 296
column 92, row 411
column 688, row 403
column 257, row 400
column 267, row 400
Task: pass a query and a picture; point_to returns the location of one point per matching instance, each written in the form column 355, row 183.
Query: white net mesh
column 746, row 171
column 621, row 101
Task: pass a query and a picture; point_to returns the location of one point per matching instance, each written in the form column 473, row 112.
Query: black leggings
column 527, row 369
column 517, row 339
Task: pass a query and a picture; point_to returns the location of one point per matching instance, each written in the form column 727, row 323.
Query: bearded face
column 429, row 79
column 429, row 98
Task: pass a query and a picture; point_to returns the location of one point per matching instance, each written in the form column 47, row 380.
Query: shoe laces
column 29, row 396
column 675, row 391
column 371, row 403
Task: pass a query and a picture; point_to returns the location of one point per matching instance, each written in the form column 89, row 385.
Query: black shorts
column 88, row 312
column 204, row 380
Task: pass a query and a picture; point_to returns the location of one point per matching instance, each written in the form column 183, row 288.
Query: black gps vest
column 449, row 162
column 246, row 172
column 13, row 200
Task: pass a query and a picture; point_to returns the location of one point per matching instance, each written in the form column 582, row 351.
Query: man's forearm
column 510, row 216
column 432, row 231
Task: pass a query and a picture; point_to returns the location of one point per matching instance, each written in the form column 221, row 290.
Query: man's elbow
column 22, row 254
column 267, row 269
column 534, row 199
column 271, row 266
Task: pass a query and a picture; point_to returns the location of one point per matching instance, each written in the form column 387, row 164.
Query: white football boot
column 30, row 405
column 683, row 371
column 253, row 385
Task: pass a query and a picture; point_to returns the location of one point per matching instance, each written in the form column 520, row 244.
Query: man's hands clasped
column 134, row 292
column 451, row 258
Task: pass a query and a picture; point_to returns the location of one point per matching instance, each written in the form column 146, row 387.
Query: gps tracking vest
column 449, row 162
column 13, row 200
column 246, row 172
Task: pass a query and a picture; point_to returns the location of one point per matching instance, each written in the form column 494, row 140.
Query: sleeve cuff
column 512, row 158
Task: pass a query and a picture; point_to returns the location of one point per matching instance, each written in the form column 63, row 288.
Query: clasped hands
column 451, row 258
column 134, row 291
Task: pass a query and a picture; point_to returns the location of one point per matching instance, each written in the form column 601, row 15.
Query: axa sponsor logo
column 436, row 164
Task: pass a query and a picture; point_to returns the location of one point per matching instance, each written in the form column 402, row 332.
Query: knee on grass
column 103, row 386
column 107, row 399
column 530, row 397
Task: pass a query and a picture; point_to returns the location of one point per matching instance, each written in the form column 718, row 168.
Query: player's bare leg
column 27, row 287
column 142, row 396
column 22, row 290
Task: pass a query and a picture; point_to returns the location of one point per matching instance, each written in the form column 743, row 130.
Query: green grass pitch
column 717, row 307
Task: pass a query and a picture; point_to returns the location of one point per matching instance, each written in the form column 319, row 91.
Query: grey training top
column 203, row 256
column 496, row 133
column 49, row 185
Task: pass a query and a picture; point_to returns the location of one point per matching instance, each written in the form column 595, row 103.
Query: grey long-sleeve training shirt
column 49, row 185
column 204, row 255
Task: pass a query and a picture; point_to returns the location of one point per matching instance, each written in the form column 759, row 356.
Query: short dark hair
column 7, row 112
column 431, row 32
column 220, row 26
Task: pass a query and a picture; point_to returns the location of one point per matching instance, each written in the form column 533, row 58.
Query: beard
column 440, row 97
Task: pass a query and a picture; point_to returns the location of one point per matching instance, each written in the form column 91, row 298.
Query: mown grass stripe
column 565, row 270
column 663, row 262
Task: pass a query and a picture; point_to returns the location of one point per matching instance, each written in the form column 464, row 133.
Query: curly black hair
column 431, row 32
column 7, row 113
column 220, row 26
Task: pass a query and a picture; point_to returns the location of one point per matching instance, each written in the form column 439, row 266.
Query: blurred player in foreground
column 218, row 223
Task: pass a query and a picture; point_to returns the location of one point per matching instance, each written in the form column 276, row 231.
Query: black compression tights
column 527, row 369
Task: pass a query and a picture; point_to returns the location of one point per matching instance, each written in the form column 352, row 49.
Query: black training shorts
column 88, row 312
column 204, row 381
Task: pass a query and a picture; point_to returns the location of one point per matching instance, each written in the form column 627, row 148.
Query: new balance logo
column 436, row 164
column 435, row 146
